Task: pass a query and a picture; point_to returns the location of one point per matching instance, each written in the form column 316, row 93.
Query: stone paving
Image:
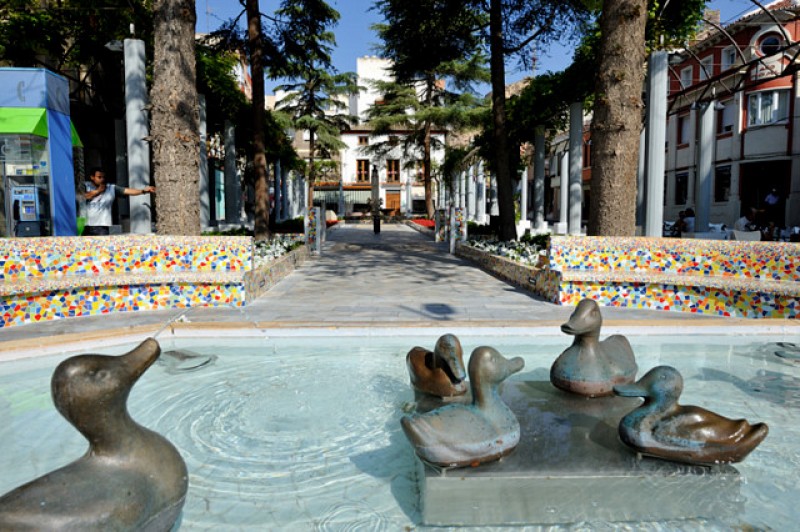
column 399, row 278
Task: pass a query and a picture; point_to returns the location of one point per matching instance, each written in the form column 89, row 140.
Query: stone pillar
column 704, row 179
column 575, row 166
column 480, row 196
column 121, row 165
column 136, row 125
column 462, row 189
column 470, row 181
column 205, row 190
column 523, row 197
column 655, row 141
column 494, row 207
column 538, row 181
column 563, row 194
column 232, row 187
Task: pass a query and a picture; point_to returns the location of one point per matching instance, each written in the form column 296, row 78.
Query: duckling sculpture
column 459, row 435
column 439, row 372
column 591, row 367
column 662, row 428
column 130, row 478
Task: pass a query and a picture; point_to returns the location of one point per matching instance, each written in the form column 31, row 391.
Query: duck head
column 488, row 368
column 91, row 391
column 449, row 357
column 662, row 384
column 585, row 320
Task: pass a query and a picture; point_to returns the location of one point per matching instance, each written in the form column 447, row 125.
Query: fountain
column 266, row 450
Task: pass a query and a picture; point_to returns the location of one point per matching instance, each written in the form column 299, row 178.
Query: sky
column 355, row 38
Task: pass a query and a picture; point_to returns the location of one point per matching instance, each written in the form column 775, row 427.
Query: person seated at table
column 747, row 221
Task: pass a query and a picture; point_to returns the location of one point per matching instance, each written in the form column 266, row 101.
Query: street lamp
column 376, row 202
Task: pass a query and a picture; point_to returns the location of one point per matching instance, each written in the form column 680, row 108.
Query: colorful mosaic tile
column 723, row 278
column 57, row 277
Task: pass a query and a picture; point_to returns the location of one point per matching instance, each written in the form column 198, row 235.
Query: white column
column 284, row 191
column 563, row 194
column 470, row 180
column 136, row 125
column 705, row 168
column 656, row 137
column 494, row 207
column 538, row 181
column 575, row 166
column 480, row 196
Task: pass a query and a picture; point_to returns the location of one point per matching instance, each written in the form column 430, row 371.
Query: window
column 768, row 107
column 686, row 77
column 725, row 117
column 363, row 140
column 683, row 129
column 419, row 171
column 681, row 188
column 722, row 183
column 362, row 170
column 393, row 140
column 729, row 57
column 393, row 170
column 770, row 44
column 587, row 154
column 707, row 67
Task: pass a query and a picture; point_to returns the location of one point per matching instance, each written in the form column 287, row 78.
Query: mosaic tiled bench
column 57, row 277
column 718, row 277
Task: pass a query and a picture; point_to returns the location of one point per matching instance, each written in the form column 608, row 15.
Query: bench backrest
column 22, row 258
column 761, row 260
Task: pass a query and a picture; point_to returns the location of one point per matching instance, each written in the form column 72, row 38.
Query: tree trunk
column 175, row 119
column 259, row 143
column 505, row 191
column 426, row 153
column 617, row 118
column 312, row 172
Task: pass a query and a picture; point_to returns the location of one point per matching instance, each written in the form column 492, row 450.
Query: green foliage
column 675, row 22
column 215, row 80
column 541, row 241
column 473, row 230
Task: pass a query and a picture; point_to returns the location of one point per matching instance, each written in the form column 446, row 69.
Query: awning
column 30, row 121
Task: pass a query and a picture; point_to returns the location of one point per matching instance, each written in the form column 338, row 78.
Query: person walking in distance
column 100, row 197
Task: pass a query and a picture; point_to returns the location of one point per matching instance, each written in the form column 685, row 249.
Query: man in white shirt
column 99, row 199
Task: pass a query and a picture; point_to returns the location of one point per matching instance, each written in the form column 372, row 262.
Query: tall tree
column 514, row 27
column 289, row 38
column 175, row 118
column 618, row 102
column 256, row 47
column 315, row 104
column 428, row 41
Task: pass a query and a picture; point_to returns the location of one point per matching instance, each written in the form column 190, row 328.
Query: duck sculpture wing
column 663, row 428
column 469, row 434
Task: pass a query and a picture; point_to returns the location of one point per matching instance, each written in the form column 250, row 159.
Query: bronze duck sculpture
column 131, row 478
column 458, row 435
column 591, row 367
column 439, row 372
column 662, row 428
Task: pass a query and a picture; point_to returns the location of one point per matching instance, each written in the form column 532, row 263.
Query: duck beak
column 514, row 365
column 141, row 357
column 630, row 390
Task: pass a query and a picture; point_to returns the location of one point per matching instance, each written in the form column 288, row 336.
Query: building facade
column 733, row 99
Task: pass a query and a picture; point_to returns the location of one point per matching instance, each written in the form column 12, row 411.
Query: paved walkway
column 396, row 279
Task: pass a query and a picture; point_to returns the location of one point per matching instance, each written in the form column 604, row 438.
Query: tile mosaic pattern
column 56, row 277
column 25, row 258
column 258, row 281
column 778, row 261
column 726, row 278
column 87, row 301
